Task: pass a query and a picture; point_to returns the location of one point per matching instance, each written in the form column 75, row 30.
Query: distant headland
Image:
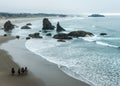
column 16, row 15
column 96, row 15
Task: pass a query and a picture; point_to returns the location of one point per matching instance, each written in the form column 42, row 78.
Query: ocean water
column 93, row 60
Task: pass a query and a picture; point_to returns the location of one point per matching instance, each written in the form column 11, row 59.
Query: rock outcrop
column 35, row 35
column 5, row 35
column 25, row 27
column 17, row 37
column 61, row 40
column 79, row 34
column 27, row 38
column 49, row 34
column 29, row 24
column 8, row 26
column 47, row 25
column 59, row 28
column 62, row 36
column 103, row 34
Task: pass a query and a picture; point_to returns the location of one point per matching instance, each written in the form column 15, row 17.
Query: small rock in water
column 61, row 40
column 27, row 38
column 49, row 34
column 103, row 34
column 17, row 37
column 25, row 27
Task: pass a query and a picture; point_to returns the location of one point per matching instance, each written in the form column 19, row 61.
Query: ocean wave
column 98, row 40
column 69, row 72
column 106, row 44
column 91, row 39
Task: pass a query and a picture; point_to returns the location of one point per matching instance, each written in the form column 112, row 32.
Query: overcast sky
column 61, row 6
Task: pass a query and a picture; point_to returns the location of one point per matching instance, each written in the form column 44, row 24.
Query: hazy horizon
column 61, row 6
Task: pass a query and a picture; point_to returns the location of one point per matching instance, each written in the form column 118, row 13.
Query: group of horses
column 20, row 71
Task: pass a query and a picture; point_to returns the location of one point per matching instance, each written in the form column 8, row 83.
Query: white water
column 91, row 59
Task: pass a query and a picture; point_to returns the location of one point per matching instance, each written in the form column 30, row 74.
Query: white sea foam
column 106, row 44
column 91, row 39
column 86, row 59
column 83, row 66
column 51, row 45
column 98, row 40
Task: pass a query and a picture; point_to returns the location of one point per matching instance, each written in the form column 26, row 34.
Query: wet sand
column 42, row 72
column 6, row 63
column 42, row 69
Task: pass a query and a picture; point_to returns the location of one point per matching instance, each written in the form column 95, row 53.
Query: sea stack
column 25, row 27
column 47, row 25
column 8, row 26
column 59, row 28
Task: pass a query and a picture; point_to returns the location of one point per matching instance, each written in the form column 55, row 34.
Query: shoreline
column 70, row 74
column 50, row 69
column 6, row 63
column 47, row 71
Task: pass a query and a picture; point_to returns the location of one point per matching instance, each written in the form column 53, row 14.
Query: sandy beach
column 49, row 73
column 6, row 63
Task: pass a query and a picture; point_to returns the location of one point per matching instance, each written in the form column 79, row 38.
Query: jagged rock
column 103, row 34
column 96, row 15
column 61, row 40
column 49, row 34
column 25, row 27
column 29, row 24
column 62, row 36
column 17, row 37
column 35, row 35
column 8, row 26
column 47, row 25
column 27, row 38
column 59, row 28
column 5, row 35
column 80, row 34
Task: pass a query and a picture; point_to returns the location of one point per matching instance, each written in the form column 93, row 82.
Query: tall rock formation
column 8, row 26
column 47, row 25
column 59, row 28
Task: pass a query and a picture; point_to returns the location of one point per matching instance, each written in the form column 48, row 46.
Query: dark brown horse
column 26, row 70
column 12, row 71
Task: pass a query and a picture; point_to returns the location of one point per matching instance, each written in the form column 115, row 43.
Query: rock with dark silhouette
column 29, row 24
column 80, row 34
column 47, row 25
column 49, row 34
column 35, row 35
column 27, row 38
column 59, row 28
column 17, row 37
column 103, row 34
column 62, row 36
column 5, row 35
column 8, row 26
column 61, row 40
column 25, row 27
